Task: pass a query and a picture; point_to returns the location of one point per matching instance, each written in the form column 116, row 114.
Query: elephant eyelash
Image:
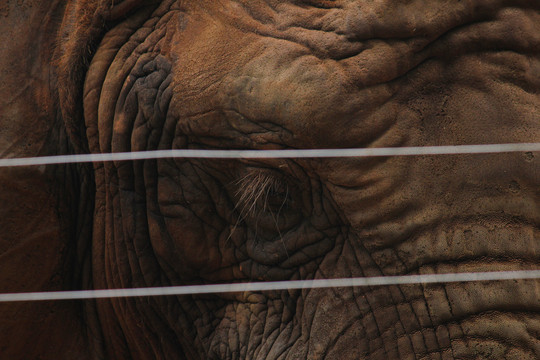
column 260, row 195
column 260, row 192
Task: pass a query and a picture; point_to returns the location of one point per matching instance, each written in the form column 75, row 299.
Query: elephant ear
column 38, row 205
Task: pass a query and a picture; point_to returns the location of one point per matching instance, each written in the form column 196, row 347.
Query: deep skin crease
column 137, row 75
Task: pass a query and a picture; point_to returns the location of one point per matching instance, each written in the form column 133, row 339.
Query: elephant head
column 105, row 76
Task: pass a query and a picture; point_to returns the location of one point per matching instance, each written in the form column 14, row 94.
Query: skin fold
column 113, row 76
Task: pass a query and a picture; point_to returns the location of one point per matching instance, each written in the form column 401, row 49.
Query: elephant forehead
column 324, row 70
column 337, row 29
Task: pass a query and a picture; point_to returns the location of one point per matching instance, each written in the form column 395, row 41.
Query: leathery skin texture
column 104, row 76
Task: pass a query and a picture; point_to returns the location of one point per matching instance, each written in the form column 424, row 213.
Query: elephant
column 105, row 76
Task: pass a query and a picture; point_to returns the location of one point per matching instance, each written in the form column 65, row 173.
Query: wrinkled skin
column 91, row 76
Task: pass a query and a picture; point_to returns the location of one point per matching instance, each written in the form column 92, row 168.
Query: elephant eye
column 266, row 200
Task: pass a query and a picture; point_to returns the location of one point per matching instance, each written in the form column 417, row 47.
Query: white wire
column 265, row 154
column 275, row 285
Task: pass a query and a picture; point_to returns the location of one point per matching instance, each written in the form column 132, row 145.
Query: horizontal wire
column 265, row 154
column 274, row 285
column 278, row 285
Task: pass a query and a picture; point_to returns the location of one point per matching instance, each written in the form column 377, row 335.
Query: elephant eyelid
column 323, row 4
column 120, row 9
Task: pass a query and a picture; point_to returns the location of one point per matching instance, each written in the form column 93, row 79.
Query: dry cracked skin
column 104, row 76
